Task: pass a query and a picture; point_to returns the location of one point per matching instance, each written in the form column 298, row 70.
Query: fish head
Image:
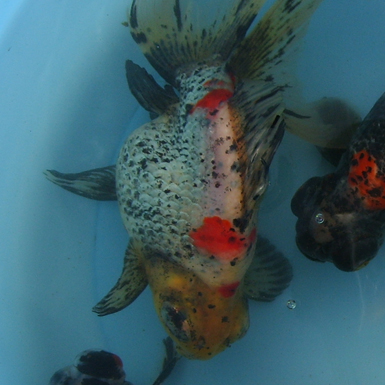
column 92, row 367
column 100, row 364
column 332, row 227
column 202, row 320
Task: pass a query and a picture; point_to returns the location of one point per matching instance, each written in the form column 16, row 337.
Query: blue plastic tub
column 65, row 104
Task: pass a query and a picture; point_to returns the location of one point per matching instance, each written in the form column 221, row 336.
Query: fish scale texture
column 158, row 186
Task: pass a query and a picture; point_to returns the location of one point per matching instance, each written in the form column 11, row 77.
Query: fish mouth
column 345, row 253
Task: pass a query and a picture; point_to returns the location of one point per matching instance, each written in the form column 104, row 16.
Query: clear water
column 64, row 104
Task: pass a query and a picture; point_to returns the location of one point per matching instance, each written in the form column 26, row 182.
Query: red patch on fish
column 213, row 100
column 217, row 237
column 117, row 360
column 215, row 83
column 363, row 175
column 228, row 291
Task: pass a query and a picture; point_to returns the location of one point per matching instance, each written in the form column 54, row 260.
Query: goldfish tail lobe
column 173, row 33
column 271, row 46
column 327, row 123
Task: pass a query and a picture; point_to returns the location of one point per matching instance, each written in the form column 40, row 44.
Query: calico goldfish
column 189, row 183
column 341, row 216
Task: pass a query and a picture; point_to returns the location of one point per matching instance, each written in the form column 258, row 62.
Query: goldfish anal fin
column 269, row 274
column 150, row 95
column 174, row 33
column 97, row 184
column 129, row 286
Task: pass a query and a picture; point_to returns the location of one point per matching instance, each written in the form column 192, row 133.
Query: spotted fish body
column 189, row 167
column 341, row 216
column 180, row 186
column 189, row 183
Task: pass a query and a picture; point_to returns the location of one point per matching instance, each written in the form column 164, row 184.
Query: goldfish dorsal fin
column 150, row 95
column 130, row 285
column 97, row 184
column 269, row 274
column 173, row 33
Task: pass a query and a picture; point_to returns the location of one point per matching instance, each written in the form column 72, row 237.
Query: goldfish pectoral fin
column 174, row 33
column 97, row 184
column 260, row 107
column 269, row 48
column 150, row 95
column 269, row 274
column 130, row 285
column 327, row 123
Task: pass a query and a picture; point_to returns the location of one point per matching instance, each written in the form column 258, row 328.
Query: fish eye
column 176, row 321
column 319, row 218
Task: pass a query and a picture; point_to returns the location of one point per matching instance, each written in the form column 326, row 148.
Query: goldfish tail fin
column 173, row 33
column 97, row 184
column 327, row 123
column 129, row 286
column 260, row 108
column 270, row 47
column 269, row 274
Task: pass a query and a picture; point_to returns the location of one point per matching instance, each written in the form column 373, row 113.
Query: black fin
column 97, row 184
column 269, row 274
column 172, row 33
column 151, row 96
column 130, row 285
column 169, row 362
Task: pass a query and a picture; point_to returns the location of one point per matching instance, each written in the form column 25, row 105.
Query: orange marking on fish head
column 117, row 360
column 363, row 175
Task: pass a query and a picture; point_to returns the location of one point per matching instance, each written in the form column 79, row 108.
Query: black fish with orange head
column 341, row 216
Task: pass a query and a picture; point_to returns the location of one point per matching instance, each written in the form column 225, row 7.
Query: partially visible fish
column 98, row 367
column 341, row 216
column 92, row 367
column 329, row 123
column 189, row 183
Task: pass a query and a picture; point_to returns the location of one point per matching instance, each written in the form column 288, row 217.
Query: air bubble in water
column 291, row 304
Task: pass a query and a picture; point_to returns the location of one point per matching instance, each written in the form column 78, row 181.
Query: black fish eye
column 319, row 218
column 176, row 321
